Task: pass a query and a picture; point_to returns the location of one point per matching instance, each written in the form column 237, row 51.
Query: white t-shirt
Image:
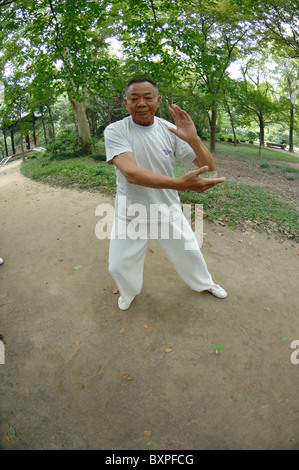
column 155, row 148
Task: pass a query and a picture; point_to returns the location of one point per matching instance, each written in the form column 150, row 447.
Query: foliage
column 234, row 204
column 187, row 46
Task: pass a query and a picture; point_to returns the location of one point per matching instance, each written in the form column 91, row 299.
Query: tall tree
column 72, row 35
column 257, row 98
column 200, row 35
column 279, row 21
column 288, row 89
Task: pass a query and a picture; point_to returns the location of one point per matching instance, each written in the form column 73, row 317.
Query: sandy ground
column 81, row 374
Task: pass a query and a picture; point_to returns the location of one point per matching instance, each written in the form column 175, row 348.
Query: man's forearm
column 150, row 179
column 190, row 181
column 203, row 156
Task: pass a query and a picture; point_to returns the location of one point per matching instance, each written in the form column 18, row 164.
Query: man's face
column 142, row 101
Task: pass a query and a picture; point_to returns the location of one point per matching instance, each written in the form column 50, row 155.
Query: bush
column 67, row 145
column 98, row 157
column 278, row 138
column 251, row 136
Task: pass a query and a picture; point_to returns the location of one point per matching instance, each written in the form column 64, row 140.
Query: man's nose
column 141, row 102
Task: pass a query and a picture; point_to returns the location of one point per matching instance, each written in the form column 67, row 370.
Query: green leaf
column 12, row 431
column 77, row 267
column 218, row 347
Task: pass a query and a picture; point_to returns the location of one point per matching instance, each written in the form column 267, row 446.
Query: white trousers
column 126, row 258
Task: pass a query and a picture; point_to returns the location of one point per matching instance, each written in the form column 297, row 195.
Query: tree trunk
column 213, row 129
column 52, row 124
column 27, row 140
column 291, row 129
column 34, row 131
column 21, row 133
column 12, row 142
column 79, row 108
column 44, row 126
column 262, row 130
column 5, row 145
column 231, row 120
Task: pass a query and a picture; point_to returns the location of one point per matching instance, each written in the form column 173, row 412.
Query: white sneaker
column 1, row 261
column 217, row 291
column 122, row 304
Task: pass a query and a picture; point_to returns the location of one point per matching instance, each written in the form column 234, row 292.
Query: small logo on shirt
column 167, row 152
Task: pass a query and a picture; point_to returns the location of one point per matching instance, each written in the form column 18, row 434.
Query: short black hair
column 141, row 80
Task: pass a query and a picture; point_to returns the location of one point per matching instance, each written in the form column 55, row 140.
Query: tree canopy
column 51, row 47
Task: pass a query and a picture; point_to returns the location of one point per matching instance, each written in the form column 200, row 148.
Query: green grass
column 81, row 173
column 252, row 151
column 232, row 203
column 248, row 207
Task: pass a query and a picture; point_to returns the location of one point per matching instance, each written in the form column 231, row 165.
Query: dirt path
column 70, row 353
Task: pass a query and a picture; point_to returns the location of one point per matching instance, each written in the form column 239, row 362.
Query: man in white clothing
column 143, row 149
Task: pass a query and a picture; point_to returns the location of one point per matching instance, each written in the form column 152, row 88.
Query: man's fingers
column 201, row 170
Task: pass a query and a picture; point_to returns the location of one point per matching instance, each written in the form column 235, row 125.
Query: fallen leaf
column 145, row 325
column 77, row 342
column 115, row 290
column 53, row 437
column 167, row 350
column 267, row 308
column 77, row 267
column 4, row 295
column 6, row 437
column 11, row 431
column 285, row 338
column 122, row 330
column 147, row 433
column 126, row 377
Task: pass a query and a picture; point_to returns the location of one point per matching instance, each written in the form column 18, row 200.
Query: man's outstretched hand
column 192, row 181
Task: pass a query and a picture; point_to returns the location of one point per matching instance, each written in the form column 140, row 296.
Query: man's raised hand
column 185, row 128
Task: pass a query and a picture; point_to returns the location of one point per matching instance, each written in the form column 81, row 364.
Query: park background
column 177, row 371
column 233, row 66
